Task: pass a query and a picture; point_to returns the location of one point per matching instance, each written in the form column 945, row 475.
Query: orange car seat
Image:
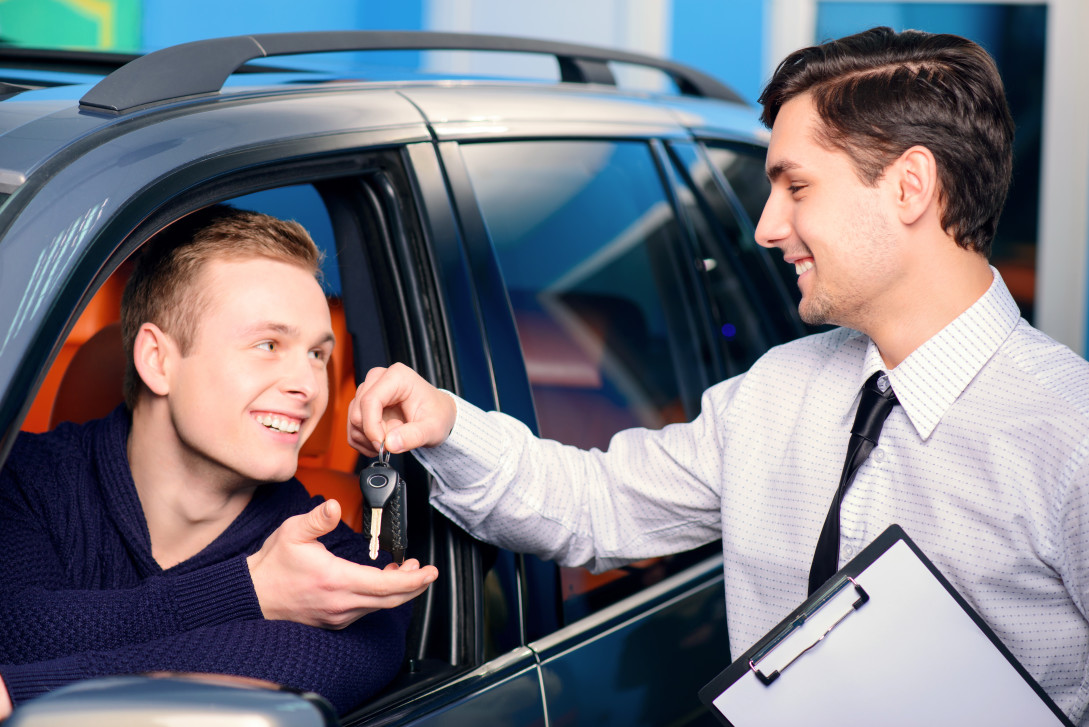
column 104, row 308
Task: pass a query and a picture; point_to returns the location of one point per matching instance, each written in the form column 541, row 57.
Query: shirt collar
column 929, row 380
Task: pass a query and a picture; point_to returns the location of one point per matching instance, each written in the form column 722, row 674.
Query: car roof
column 78, row 159
column 76, row 92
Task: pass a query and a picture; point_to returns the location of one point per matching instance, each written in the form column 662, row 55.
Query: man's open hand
column 398, row 408
column 298, row 579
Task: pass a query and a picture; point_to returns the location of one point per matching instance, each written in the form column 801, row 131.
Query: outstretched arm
column 505, row 486
column 344, row 666
column 44, row 615
column 292, row 577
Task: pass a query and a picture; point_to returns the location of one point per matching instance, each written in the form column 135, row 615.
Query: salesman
column 889, row 161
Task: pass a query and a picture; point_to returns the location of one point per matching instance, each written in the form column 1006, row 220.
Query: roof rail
column 202, row 67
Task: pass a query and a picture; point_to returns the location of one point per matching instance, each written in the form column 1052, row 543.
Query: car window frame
column 544, row 616
column 179, row 192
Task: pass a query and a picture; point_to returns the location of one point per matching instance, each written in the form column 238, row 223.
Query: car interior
column 85, row 379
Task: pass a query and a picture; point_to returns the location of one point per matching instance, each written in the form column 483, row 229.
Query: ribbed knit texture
column 81, row 595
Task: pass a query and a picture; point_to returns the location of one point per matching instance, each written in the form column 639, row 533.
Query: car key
column 377, row 481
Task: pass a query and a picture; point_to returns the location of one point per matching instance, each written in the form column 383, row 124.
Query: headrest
column 92, row 384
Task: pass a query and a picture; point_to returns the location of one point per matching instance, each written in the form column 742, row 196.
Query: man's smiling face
column 253, row 384
column 835, row 230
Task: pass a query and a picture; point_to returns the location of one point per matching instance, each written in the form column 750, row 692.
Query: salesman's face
column 835, row 230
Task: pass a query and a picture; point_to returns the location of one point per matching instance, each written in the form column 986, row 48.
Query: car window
column 90, row 352
column 85, row 379
column 587, row 243
column 303, row 204
column 742, row 166
column 735, row 189
column 744, row 310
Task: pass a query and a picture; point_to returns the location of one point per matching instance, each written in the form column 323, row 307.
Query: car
column 575, row 253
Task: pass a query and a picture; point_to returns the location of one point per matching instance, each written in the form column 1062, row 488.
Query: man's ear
column 916, row 178
column 153, row 353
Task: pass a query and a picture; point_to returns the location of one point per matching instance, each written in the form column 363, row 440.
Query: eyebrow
column 776, row 170
column 284, row 330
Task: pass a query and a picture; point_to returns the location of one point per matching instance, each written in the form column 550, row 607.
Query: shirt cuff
column 474, row 449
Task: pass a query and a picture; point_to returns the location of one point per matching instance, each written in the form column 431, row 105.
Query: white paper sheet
column 909, row 656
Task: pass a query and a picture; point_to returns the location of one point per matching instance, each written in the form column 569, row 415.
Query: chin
column 816, row 312
column 269, row 475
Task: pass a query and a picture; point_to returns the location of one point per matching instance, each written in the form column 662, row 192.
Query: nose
column 774, row 225
column 305, row 377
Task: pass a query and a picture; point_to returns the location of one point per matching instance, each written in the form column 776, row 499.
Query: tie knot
column 879, row 384
column 874, row 407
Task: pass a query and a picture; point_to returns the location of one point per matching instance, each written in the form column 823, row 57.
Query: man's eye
column 795, row 188
column 267, row 345
column 318, row 354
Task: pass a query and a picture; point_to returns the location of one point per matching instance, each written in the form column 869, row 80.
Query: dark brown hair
column 162, row 288
column 878, row 93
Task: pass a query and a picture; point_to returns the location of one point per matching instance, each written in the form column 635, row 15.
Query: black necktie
column 873, row 409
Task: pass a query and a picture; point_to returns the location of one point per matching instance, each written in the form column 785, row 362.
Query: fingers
column 392, row 586
column 409, row 436
column 365, row 589
column 410, row 564
column 365, row 421
column 396, row 406
column 318, row 522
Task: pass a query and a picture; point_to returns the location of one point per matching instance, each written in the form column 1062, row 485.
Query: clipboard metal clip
column 767, row 679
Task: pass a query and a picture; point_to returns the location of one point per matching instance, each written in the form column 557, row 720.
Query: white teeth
column 802, row 266
column 279, row 423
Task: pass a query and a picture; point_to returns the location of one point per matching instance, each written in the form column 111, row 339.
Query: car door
column 611, row 333
column 66, row 238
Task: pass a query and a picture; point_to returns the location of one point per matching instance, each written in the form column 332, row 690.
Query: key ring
column 383, row 455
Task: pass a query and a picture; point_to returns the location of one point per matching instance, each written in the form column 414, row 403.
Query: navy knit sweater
column 81, row 595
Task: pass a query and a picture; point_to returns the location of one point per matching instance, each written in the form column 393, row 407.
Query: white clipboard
column 887, row 641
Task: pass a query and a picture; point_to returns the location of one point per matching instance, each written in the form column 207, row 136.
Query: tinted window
column 742, row 167
column 744, row 310
column 736, row 192
column 588, row 246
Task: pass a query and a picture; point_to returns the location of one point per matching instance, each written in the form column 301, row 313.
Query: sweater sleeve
column 45, row 614
column 41, row 619
column 80, row 596
column 346, row 667
column 39, row 623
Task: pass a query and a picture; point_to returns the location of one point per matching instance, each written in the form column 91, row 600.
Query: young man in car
column 889, row 160
column 172, row 535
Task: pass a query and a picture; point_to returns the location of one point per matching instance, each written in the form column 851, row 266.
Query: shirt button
column 879, row 454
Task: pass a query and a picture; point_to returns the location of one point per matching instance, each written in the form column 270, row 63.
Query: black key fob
column 383, row 487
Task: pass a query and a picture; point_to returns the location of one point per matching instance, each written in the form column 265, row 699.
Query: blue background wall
column 731, row 39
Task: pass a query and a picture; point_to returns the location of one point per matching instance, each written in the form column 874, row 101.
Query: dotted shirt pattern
column 984, row 466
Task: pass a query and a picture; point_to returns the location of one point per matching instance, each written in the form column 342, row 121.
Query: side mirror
column 175, row 699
